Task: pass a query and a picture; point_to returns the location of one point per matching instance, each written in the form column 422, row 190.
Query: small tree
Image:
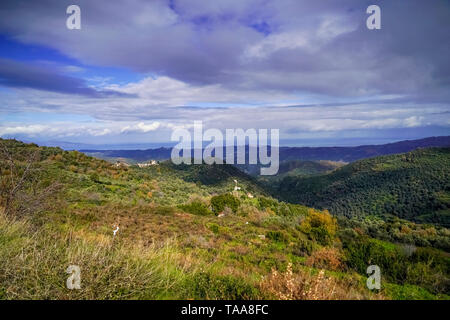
column 320, row 226
column 22, row 187
column 218, row 203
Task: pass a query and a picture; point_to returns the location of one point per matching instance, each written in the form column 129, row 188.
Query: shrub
column 267, row 203
column 360, row 254
column 218, row 203
column 196, row 207
column 277, row 236
column 320, row 226
column 307, row 286
column 303, row 247
column 213, row 227
column 325, row 258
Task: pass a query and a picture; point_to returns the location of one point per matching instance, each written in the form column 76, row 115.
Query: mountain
column 345, row 154
column 295, row 168
column 210, row 175
column 413, row 186
column 349, row 154
column 69, row 146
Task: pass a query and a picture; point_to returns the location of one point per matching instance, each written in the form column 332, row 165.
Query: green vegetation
column 300, row 168
column 425, row 267
column 412, row 186
column 172, row 244
column 196, row 207
column 226, row 200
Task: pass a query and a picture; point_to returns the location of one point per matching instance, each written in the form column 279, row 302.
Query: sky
column 137, row 70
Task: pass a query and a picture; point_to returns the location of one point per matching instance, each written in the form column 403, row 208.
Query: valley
column 187, row 233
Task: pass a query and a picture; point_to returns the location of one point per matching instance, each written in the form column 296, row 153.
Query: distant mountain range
column 67, row 145
column 131, row 155
column 350, row 154
column 346, row 154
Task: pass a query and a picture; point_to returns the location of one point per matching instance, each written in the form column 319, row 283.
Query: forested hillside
column 349, row 154
column 413, row 186
column 301, row 168
column 192, row 232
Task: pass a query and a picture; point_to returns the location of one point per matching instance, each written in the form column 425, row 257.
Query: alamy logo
column 373, row 22
column 74, row 20
column 374, row 279
column 74, row 280
column 235, row 140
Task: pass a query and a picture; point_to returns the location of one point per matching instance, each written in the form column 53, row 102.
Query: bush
column 308, row 286
column 303, row 247
column 218, row 203
column 325, row 258
column 213, row 227
column 277, row 236
column 197, row 208
column 361, row 254
column 425, row 267
column 267, row 203
column 320, row 226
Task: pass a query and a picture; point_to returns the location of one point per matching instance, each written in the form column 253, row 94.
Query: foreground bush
column 325, row 258
column 426, row 267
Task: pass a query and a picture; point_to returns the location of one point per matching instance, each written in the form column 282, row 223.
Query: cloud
column 142, row 127
column 322, row 48
column 165, row 91
column 298, row 65
column 66, row 129
column 29, row 130
column 28, row 75
column 137, row 120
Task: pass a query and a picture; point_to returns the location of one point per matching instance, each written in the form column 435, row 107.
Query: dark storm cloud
column 291, row 46
column 25, row 75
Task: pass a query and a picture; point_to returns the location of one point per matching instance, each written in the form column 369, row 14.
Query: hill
column 131, row 155
column 413, row 186
column 186, row 234
column 296, row 168
column 346, row 154
column 350, row 154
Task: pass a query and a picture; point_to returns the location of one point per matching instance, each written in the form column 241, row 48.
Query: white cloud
column 273, row 43
column 166, row 91
column 30, row 130
column 141, row 127
column 414, row 121
column 309, row 40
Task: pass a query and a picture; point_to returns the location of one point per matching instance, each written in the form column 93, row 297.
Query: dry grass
column 325, row 258
column 34, row 263
column 307, row 286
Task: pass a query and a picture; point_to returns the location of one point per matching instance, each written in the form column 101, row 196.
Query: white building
column 148, row 164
